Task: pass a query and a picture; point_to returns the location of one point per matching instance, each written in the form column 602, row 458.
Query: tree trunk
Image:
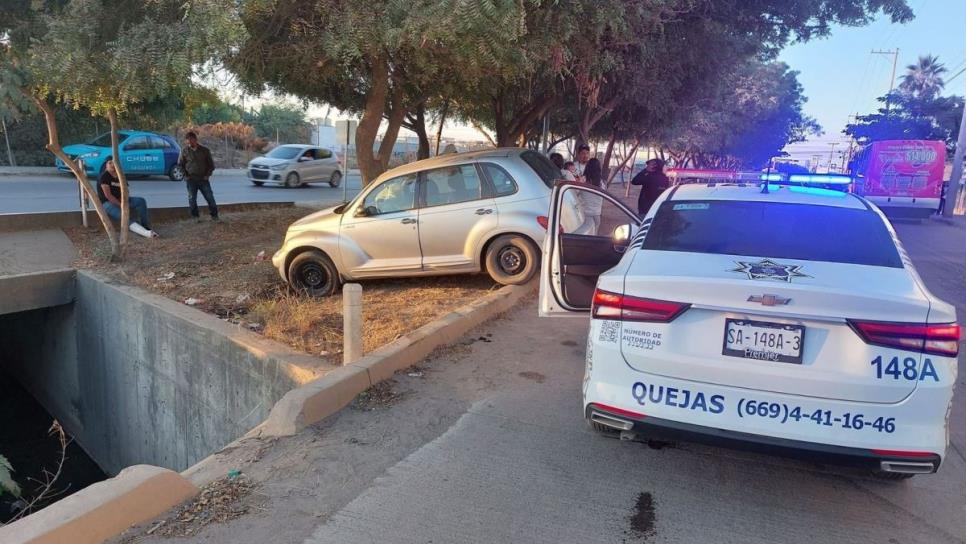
column 369, row 165
column 442, row 121
column 122, row 179
column 605, row 164
column 416, row 122
column 627, row 157
column 53, row 145
column 396, row 117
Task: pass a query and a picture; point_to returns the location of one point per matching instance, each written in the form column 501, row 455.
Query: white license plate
column 763, row 341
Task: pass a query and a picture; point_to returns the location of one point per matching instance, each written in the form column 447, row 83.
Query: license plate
column 763, row 341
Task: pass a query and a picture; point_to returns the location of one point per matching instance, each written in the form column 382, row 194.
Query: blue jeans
column 139, row 209
column 203, row 185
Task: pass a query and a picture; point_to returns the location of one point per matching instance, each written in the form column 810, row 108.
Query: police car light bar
column 770, row 177
column 820, row 178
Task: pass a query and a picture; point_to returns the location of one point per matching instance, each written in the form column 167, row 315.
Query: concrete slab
column 34, row 251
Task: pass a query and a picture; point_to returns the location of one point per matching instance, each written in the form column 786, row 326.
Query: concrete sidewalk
column 35, row 270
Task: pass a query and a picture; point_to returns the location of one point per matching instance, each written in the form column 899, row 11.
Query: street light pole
column 955, row 179
column 831, row 154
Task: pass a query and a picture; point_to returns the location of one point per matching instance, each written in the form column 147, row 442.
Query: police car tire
column 521, row 248
column 892, row 476
column 292, row 180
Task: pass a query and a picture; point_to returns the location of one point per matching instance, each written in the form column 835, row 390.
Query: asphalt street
column 20, row 194
column 486, row 443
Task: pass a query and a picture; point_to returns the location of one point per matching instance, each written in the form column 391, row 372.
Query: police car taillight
column 619, row 307
column 941, row 339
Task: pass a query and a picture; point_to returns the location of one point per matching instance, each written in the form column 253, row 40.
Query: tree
column 109, row 56
column 284, row 122
column 756, row 112
column 911, row 117
column 924, row 78
column 380, row 59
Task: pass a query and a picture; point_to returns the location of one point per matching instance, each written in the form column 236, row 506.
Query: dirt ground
column 225, row 268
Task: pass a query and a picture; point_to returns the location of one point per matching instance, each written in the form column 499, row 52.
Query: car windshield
column 775, row 230
column 104, row 140
column 284, row 152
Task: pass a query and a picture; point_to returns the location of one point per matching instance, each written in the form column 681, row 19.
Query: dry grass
column 227, row 267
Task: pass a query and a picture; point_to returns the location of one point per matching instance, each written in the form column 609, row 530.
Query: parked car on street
column 455, row 213
column 296, row 165
column 788, row 320
column 141, row 154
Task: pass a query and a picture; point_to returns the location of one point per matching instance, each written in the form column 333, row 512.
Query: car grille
column 259, row 174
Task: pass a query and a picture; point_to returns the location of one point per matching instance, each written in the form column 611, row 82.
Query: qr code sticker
column 609, row 331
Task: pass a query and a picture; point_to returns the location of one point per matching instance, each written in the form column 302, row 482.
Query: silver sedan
column 452, row 214
column 296, row 165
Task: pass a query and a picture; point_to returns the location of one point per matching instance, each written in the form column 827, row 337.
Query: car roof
column 449, row 159
column 787, row 194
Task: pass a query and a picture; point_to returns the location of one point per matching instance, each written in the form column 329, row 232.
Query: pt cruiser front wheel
column 313, row 273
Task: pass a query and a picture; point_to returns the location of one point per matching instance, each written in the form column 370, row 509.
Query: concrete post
column 351, row 323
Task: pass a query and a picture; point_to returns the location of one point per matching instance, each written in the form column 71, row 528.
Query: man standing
column 583, row 155
column 109, row 193
column 653, row 181
column 196, row 163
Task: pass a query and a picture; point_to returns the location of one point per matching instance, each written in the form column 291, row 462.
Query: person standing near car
column 583, row 157
column 109, row 193
column 590, row 204
column 196, row 163
column 653, row 181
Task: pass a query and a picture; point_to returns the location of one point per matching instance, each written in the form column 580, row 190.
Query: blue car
column 141, row 154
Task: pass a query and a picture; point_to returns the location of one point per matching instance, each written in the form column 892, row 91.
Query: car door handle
column 409, row 221
column 483, row 211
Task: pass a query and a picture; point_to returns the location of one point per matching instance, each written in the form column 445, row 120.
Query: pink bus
column 903, row 177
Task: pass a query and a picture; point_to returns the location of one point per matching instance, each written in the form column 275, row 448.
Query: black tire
column 292, row 180
column 257, row 183
column 511, row 259
column 335, row 179
column 175, row 173
column 313, row 273
column 892, row 476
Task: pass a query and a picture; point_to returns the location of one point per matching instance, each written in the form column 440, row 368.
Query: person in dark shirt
column 109, row 193
column 653, row 181
column 196, row 163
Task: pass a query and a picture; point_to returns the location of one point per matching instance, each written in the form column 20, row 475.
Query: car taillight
column 544, row 221
column 941, row 339
column 627, row 308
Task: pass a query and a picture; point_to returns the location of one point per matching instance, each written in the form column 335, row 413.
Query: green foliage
column 285, row 121
column 911, row 117
column 7, row 485
column 924, row 78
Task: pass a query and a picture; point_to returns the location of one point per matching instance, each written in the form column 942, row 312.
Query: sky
column 842, row 77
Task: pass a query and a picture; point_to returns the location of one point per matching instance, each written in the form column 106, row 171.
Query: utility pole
column 831, row 152
column 6, row 137
column 892, row 80
column 955, row 178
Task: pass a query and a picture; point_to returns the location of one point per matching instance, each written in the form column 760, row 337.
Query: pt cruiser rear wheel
column 512, row 259
column 313, row 273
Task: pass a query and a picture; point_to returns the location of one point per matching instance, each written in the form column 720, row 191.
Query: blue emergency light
column 832, row 179
column 771, row 177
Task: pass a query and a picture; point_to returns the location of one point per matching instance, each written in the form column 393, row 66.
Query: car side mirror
column 621, row 237
column 367, row 211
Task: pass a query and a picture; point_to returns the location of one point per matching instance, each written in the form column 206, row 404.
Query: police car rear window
column 772, row 229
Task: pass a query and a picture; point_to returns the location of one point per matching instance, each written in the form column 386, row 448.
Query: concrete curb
column 323, row 397
column 59, row 220
column 35, row 290
column 102, row 510
column 47, row 171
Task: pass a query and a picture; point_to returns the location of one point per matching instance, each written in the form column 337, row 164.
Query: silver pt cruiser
column 451, row 214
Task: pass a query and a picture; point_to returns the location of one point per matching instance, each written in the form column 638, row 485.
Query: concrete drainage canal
column 134, row 378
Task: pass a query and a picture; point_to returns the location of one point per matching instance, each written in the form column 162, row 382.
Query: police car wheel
column 292, row 180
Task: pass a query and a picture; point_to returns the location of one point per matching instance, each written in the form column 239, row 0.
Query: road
column 19, row 194
column 486, row 443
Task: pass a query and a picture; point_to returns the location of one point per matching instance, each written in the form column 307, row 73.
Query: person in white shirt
column 558, row 161
column 590, row 205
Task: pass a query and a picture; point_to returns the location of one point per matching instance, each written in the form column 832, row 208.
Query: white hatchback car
column 296, row 165
column 455, row 213
column 788, row 320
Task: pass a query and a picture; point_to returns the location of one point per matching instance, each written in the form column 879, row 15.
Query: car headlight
column 89, row 155
column 282, row 166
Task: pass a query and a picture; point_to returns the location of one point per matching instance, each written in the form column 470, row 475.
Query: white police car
column 787, row 320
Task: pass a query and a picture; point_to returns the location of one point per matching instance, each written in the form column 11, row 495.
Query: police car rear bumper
column 673, row 431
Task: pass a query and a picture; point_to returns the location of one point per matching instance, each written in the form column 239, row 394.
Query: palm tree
column 924, row 78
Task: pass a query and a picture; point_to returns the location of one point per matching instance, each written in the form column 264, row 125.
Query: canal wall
column 137, row 378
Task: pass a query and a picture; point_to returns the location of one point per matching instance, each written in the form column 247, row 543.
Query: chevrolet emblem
column 769, row 300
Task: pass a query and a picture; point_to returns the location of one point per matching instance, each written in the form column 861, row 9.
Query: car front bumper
column 913, row 430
